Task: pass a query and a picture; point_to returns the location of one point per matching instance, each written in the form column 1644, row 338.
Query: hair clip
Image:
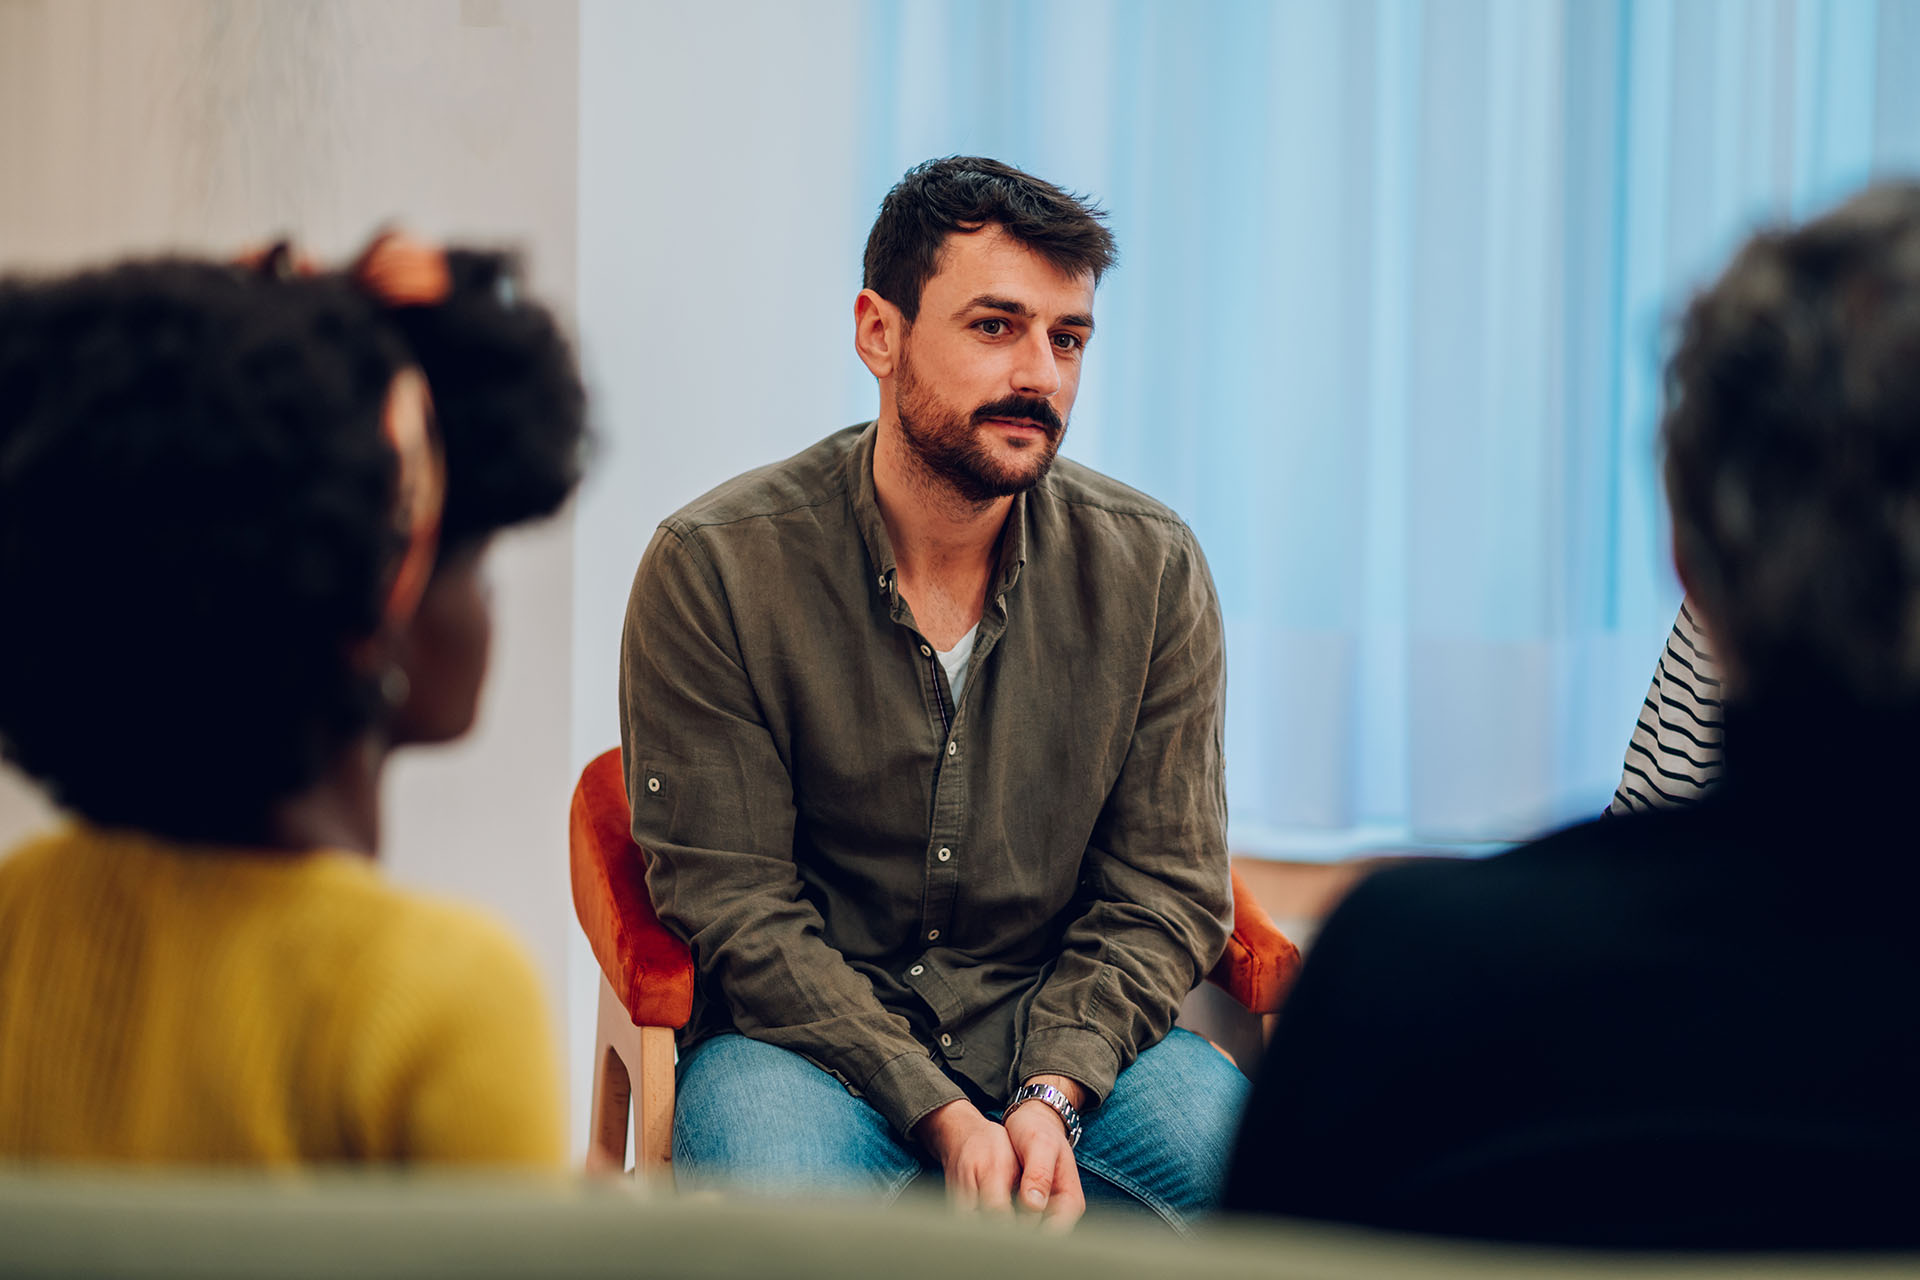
column 400, row 270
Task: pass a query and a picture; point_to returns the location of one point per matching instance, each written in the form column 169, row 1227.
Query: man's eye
column 992, row 328
column 1067, row 341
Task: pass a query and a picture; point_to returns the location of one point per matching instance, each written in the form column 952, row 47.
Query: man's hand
column 1049, row 1175
column 976, row 1154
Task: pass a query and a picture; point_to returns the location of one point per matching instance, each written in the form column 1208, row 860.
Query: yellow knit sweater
column 166, row 1004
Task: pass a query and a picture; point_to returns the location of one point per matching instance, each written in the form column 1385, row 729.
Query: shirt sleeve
column 713, row 806
column 1674, row 755
column 1155, row 876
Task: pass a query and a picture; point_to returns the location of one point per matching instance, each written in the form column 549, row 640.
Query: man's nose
column 1038, row 370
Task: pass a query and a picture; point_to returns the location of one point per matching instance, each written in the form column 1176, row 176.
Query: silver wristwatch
column 1046, row 1093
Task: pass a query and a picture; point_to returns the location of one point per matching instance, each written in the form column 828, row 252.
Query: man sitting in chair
column 922, row 732
column 1689, row 1027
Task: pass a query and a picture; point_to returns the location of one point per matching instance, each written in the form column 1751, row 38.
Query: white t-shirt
column 955, row 661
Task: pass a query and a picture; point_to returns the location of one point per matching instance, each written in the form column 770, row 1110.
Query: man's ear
column 878, row 332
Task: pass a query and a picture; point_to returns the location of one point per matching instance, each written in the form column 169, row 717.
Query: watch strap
column 1052, row 1097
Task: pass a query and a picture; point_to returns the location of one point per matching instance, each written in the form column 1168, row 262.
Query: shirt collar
column 873, row 529
column 866, row 513
column 1013, row 545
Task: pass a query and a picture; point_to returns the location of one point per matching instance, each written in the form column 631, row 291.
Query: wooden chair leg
column 653, row 1101
column 612, row 1086
column 633, row 1066
column 607, row 1128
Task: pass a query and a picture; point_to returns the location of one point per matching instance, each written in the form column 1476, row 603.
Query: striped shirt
column 1675, row 751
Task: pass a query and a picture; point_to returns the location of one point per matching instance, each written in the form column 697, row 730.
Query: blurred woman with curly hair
column 243, row 513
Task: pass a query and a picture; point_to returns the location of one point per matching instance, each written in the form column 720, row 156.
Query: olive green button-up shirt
column 907, row 891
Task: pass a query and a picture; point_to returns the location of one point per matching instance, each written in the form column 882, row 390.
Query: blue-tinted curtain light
column 1396, row 278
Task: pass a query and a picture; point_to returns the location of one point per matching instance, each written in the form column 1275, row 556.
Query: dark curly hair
column 963, row 193
column 1792, row 441
column 196, row 517
column 507, row 395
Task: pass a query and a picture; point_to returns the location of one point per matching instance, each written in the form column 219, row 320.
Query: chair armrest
column 1260, row 961
column 649, row 968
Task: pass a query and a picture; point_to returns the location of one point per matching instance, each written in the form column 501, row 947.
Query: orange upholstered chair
column 646, row 987
column 646, row 992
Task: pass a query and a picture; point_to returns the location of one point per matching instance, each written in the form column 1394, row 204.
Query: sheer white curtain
column 1395, row 278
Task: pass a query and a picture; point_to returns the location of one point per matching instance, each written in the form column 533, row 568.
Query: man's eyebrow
column 993, row 302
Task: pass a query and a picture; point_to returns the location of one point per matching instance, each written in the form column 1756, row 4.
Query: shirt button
column 953, row 748
column 944, row 854
column 916, row 971
column 653, row 784
column 925, row 651
column 946, row 1041
column 932, row 934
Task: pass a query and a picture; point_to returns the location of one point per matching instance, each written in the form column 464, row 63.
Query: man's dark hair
column 962, row 194
column 1792, row 443
column 197, row 519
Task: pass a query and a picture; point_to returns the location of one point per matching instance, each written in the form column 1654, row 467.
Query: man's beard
column 951, row 449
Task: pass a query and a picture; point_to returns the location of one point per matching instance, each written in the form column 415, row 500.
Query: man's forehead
column 990, row 263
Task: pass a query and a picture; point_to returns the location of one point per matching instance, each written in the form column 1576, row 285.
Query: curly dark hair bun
column 507, row 393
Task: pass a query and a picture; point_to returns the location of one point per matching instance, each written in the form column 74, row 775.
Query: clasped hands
column 1026, row 1162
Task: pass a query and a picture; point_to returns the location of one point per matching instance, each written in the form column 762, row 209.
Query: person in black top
column 1696, row 1027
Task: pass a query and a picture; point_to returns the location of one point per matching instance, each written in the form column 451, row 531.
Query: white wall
column 200, row 125
column 716, row 299
column 716, row 296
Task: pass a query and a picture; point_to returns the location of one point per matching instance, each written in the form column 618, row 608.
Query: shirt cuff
column 908, row 1089
column 1080, row 1055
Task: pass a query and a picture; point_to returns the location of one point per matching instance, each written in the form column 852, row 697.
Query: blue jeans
column 749, row 1116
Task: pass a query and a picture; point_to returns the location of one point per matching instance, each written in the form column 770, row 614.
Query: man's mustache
column 1036, row 411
